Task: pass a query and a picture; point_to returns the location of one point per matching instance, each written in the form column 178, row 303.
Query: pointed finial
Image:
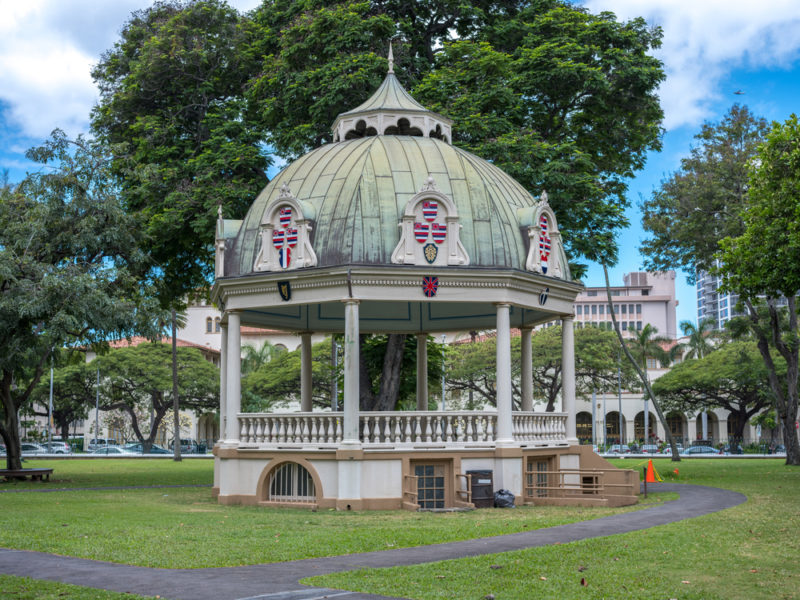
column 219, row 211
column 391, row 59
column 544, row 197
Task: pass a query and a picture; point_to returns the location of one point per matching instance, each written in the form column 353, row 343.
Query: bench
column 34, row 474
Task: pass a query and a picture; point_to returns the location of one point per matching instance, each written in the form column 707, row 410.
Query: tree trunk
column 9, row 428
column 643, row 376
column 390, row 375
column 785, row 403
column 176, row 438
column 366, row 397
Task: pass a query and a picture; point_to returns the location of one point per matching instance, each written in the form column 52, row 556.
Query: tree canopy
column 138, row 381
column 763, row 261
column 68, row 258
column 697, row 206
column 732, row 377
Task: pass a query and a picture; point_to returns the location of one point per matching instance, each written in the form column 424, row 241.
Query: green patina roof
column 389, row 96
column 359, row 189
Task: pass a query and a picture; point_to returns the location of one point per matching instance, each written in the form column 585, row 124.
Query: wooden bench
column 34, row 474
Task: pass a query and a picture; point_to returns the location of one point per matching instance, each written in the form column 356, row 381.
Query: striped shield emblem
column 291, row 237
column 430, row 209
column 544, row 244
column 439, row 232
column 278, row 236
column 421, row 232
column 286, row 216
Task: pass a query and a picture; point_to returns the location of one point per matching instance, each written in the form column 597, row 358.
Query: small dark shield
column 430, row 251
column 285, row 290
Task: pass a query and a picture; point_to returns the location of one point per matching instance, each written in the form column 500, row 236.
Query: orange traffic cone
column 651, row 476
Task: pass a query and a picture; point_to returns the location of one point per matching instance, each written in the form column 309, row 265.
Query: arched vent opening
column 437, row 134
column 403, row 127
column 360, row 131
column 290, row 482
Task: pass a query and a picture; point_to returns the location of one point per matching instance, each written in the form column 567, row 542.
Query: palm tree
column 700, row 338
column 254, row 358
column 646, row 344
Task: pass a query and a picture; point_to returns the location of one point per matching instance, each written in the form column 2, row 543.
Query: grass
column 115, row 525
column 747, row 552
column 24, row 588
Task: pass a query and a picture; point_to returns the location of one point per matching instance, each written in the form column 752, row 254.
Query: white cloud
column 47, row 50
column 704, row 40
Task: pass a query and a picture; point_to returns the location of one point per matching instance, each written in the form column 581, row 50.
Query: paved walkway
column 279, row 581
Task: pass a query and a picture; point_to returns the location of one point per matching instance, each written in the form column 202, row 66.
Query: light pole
column 97, row 409
column 619, row 392
column 50, row 411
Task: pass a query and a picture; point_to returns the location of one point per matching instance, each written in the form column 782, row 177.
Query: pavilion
column 391, row 229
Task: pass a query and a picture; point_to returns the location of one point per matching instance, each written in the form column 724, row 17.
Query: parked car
column 737, row 449
column 649, row 449
column 57, row 448
column 616, row 449
column 700, row 450
column 187, row 446
column 136, row 447
column 101, row 443
column 30, row 448
column 668, row 449
column 112, row 450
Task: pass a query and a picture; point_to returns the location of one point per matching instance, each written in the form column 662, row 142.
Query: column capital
column 500, row 304
column 351, row 301
column 568, row 318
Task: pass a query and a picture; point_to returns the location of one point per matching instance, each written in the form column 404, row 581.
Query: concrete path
column 279, row 581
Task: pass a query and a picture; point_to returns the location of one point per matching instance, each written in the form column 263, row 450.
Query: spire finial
column 391, row 59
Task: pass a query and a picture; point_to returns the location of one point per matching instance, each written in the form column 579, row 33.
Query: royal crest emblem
column 430, row 285
column 544, row 244
column 430, row 251
column 285, row 216
column 285, row 290
column 430, row 209
column 421, row 232
column 439, row 232
column 278, row 237
column 291, row 237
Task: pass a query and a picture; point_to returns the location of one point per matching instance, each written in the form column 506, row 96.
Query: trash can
column 481, row 486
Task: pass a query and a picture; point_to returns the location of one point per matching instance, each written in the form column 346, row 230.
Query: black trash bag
column 503, row 499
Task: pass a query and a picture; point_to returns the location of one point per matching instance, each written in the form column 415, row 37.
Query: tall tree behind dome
column 558, row 98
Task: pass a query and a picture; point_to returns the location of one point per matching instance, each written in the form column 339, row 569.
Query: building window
column 645, row 292
column 638, row 309
column 591, row 293
column 624, row 309
column 216, row 325
column 579, row 308
column 430, row 485
column 291, row 482
column 651, row 363
column 602, row 309
column 616, row 309
column 638, row 325
column 594, row 309
column 209, row 325
column 624, row 324
column 583, row 426
column 630, row 308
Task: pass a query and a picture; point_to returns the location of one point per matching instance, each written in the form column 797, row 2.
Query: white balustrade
column 403, row 429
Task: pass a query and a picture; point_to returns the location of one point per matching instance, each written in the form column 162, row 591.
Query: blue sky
column 711, row 49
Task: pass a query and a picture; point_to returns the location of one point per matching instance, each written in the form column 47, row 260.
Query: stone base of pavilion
column 412, row 460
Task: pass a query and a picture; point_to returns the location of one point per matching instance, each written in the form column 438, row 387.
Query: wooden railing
column 571, row 483
column 407, row 428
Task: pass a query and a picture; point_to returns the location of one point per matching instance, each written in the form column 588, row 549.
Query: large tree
column 698, row 205
column 74, row 387
column 66, row 252
column 762, row 265
column 138, row 380
column 733, row 377
column 471, row 366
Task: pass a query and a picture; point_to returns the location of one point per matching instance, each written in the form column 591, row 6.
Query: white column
column 305, row 372
column 351, row 331
column 223, row 380
column 233, row 392
column 422, row 371
column 504, row 418
column 568, row 376
column 526, row 374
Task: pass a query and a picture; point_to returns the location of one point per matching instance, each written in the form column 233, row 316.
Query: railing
column 407, row 428
column 571, row 483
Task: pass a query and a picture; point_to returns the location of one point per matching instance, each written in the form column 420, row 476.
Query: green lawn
column 24, row 588
column 747, row 552
column 115, row 525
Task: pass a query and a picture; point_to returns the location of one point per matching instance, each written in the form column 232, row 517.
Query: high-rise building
column 712, row 304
